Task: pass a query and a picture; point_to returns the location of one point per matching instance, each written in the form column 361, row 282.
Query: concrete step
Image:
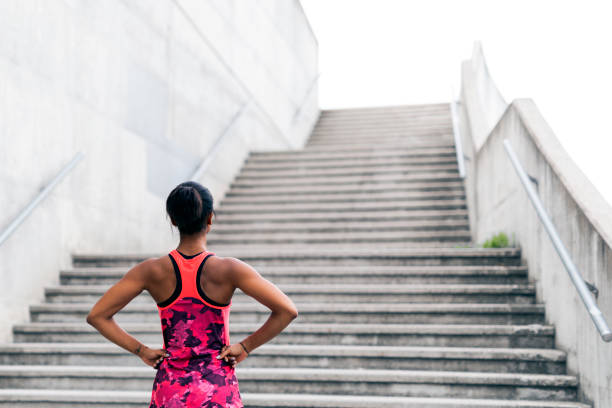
column 407, row 313
column 325, row 156
column 409, row 117
column 342, row 217
column 304, row 172
column 429, row 149
column 375, row 141
column 350, row 151
column 312, row 207
column 226, row 229
column 391, row 160
column 430, row 177
column 412, row 119
column 390, row 112
column 344, row 202
column 312, row 197
column 328, row 292
column 360, row 245
column 389, row 137
column 314, row 255
column 38, row 398
column 450, row 335
column 315, row 274
column 408, row 127
column 373, row 122
column 382, row 135
column 339, row 238
column 380, row 122
column 468, row 359
column 381, row 382
column 452, row 187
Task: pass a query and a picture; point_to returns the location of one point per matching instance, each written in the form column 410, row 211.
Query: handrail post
column 40, row 196
column 583, row 290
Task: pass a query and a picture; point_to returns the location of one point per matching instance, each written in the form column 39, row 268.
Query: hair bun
column 189, row 205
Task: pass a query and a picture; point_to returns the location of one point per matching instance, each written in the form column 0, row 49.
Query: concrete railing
column 583, row 219
column 483, row 101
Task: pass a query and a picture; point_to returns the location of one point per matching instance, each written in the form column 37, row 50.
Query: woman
column 193, row 289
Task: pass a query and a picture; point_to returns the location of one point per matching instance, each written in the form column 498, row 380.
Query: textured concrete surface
column 498, row 202
column 145, row 89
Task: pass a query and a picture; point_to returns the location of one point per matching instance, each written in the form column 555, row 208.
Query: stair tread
column 353, row 269
column 344, row 216
column 348, row 328
column 480, row 353
column 317, row 374
column 341, row 154
column 345, row 307
column 347, row 288
column 402, row 252
column 324, row 207
column 348, row 179
column 282, row 399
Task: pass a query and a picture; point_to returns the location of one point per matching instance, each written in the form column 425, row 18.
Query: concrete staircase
column 366, row 230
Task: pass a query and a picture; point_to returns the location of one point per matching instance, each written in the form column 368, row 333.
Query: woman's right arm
column 265, row 292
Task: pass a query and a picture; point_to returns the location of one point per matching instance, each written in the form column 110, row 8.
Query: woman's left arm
column 115, row 299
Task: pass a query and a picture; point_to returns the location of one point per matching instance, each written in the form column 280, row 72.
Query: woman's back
column 193, row 289
column 195, row 328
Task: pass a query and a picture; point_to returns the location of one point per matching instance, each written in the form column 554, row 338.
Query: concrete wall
column 146, row 90
column 580, row 214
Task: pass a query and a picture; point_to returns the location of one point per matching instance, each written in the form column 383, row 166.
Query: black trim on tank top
column 201, row 291
column 177, row 289
column 189, row 256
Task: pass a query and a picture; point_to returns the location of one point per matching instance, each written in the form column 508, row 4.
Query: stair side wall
column 145, row 90
column 582, row 218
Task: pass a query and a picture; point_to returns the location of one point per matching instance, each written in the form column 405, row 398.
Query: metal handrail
column 457, row 136
column 579, row 283
column 40, row 196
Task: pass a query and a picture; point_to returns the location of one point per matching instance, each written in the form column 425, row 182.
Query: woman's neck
column 192, row 244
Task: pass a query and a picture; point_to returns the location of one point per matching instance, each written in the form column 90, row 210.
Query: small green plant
column 497, row 241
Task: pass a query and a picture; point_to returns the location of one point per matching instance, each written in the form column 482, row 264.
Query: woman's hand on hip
column 232, row 354
column 153, row 357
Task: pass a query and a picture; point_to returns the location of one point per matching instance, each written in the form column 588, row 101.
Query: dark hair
column 189, row 205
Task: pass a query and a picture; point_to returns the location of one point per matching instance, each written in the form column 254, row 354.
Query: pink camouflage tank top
column 195, row 328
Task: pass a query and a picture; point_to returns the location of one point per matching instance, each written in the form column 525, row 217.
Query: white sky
column 559, row 53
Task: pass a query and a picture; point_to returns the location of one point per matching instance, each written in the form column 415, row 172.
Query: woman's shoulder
column 231, row 267
column 155, row 267
column 228, row 268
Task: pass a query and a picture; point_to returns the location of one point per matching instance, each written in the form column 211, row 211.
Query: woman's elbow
column 92, row 319
column 286, row 313
column 293, row 313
